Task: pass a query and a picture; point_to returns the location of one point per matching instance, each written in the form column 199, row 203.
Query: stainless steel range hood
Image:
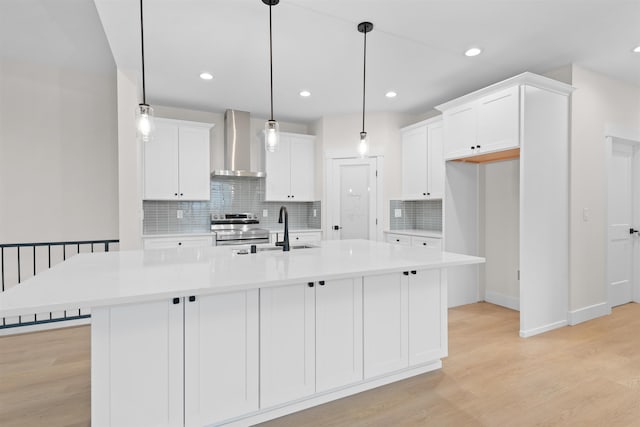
column 237, row 146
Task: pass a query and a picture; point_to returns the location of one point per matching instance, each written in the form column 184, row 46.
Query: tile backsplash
column 416, row 215
column 228, row 194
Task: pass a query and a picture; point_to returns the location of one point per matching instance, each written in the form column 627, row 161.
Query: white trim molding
column 535, row 331
column 45, row 326
column 588, row 313
column 502, row 300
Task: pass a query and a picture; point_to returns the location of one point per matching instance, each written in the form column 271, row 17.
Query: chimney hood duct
column 237, row 146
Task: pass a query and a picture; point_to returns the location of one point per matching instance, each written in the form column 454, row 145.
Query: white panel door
column 137, row 365
column 459, row 131
column 302, row 169
column 353, row 199
column 414, row 163
column 620, row 257
column 386, row 331
column 435, row 162
column 338, row 333
column 287, row 344
column 221, row 357
column 278, row 169
column 161, row 163
column 499, row 121
column 193, row 163
column 427, row 317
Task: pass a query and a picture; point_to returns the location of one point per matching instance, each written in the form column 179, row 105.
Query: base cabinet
column 248, row 356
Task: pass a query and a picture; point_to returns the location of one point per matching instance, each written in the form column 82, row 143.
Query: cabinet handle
column 181, row 194
column 397, row 240
column 176, row 300
column 192, row 298
column 424, row 194
column 297, row 238
column 428, row 194
column 406, row 273
column 477, row 146
column 413, row 272
column 473, row 148
column 321, row 282
column 310, row 284
column 179, row 243
column 175, row 194
column 424, row 244
column 292, row 196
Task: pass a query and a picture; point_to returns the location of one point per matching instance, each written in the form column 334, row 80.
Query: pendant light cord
column 144, row 96
column 270, row 60
column 364, row 78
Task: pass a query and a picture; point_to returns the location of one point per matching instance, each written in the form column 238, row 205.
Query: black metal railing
column 20, row 261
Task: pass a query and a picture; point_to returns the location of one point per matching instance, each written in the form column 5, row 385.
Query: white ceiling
column 416, row 47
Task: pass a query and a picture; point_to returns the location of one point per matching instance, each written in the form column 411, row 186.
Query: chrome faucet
column 285, row 242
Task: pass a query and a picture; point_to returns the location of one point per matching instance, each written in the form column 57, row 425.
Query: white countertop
column 420, row 233
column 112, row 278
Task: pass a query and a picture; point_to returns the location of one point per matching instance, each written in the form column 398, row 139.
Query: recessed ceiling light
column 474, row 51
column 305, row 93
column 636, row 49
column 206, row 76
column 391, row 94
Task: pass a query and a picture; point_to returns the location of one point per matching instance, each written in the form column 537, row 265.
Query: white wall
column 500, row 203
column 58, row 154
column 597, row 102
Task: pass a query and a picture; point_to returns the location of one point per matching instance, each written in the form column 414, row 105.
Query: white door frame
column 328, row 195
column 632, row 137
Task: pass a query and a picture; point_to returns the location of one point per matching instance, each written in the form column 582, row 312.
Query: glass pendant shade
column 144, row 122
column 363, row 146
column 271, row 136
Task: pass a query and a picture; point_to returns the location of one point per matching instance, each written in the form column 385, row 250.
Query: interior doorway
column 353, row 198
column 623, row 221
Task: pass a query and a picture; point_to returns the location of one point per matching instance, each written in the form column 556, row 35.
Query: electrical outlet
column 397, row 213
column 265, row 213
column 315, row 213
column 180, row 214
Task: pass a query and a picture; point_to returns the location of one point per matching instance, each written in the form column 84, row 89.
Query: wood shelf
column 492, row 157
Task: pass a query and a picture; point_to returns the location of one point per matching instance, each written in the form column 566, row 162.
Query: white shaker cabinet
column 423, row 161
column 291, row 170
column 287, row 343
column 221, row 357
column 486, row 125
column 405, row 320
column 176, row 161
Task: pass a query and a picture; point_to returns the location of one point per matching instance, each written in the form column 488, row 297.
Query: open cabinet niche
column 507, row 198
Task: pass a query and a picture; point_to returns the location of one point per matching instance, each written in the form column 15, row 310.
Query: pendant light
column 145, row 124
column 363, row 146
column 271, row 127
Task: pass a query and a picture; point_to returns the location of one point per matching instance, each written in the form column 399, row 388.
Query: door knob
column 631, row 231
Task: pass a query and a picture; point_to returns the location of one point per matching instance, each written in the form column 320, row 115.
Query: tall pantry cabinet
column 525, row 117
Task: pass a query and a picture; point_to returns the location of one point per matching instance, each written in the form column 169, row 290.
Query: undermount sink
column 272, row 248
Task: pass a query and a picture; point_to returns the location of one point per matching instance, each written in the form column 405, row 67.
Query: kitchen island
column 207, row 336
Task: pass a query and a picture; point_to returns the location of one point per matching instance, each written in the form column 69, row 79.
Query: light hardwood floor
column 585, row 375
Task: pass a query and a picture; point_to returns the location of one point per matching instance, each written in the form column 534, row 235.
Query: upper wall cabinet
column 176, row 161
column 422, row 161
column 483, row 125
column 291, row 170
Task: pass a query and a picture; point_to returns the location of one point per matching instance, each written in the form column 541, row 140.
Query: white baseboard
column 502, row 300
column 44, row 326
column 587, row 313
column 535, row 331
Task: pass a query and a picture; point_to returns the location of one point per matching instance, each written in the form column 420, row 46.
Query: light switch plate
column 180, row 214
column 265, row 213
column 397, row 213
column 315, row 213
column 586, row 214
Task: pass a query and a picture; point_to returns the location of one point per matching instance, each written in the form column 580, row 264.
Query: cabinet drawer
column 426, row 242
column 176, row 242
column 300, row 237
column 399, row 239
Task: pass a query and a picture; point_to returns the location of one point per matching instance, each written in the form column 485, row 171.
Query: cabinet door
column 193, row 163
column 459, row 131
column 302, row 164
column 435, row 162
column 427, row 317
column 161, row 163
column 386, row 331
column 414, row 163
column 278, row 169
column 221, row 357
column 499, row 120
column 137, row 372
column 338, row 333
column 287, row 344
